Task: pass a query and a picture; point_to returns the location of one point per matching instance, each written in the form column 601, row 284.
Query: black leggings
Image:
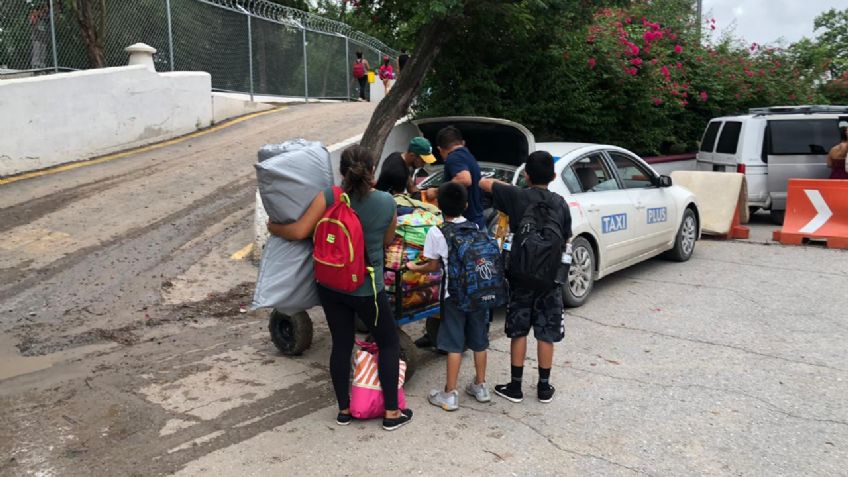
column 363, row 83
column 340, row 310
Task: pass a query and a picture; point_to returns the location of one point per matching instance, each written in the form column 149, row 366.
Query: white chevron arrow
column 823, row 212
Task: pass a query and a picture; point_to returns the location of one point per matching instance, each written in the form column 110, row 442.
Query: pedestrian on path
column 378, row 216
column 402, row 60
column 387, row 73
column 360, row 73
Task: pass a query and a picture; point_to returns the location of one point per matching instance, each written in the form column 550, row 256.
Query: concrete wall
column 226, row 105
column 54, row 119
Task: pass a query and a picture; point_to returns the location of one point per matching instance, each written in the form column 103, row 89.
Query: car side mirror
column 663, row 181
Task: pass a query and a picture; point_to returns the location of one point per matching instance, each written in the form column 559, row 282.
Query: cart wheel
column 432, row 326
column 292, row 335
column 408, row 353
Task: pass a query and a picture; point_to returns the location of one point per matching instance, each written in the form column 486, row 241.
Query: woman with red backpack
column 360, row 73
column 361, row 294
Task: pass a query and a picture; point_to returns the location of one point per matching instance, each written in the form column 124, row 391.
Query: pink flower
column 684, row 103
column 754, row 46
column 634, row 49
column 636, row 62
column 679, row 65
column 657, row 101
column 629, row 21
column 592, row 63
column 665, row 72
column 704, row 96
column 678, row 49
column 712, row 27
column 654, row 61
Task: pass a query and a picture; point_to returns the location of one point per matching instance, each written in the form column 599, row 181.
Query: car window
column 502, row 174
column 589, row 174
column 632, row 174
column 709, row 139
column 801, row 137
column 729, row 140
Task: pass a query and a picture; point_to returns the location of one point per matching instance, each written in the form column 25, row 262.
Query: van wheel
column 684, row 245
column 581, row 275
column 777, row 216
column 292, row 335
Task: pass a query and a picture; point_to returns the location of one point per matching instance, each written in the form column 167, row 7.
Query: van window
column 801, row 137
column 729, row 140
column 709, row 139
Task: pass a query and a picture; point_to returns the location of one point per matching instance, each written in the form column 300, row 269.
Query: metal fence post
column 305, row 70
column 53, row 38
column 170, row 34
column 250, row 53
column 347, row 67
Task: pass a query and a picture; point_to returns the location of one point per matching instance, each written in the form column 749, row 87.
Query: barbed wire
column 295, row 18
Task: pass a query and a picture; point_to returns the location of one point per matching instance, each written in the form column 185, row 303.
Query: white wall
column 54, row 119
column 226, row 105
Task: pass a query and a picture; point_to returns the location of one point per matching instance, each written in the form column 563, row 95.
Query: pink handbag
column 366, row 395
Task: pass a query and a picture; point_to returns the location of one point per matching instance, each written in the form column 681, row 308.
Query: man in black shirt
column 403, row 59
column 396, row 173
column 540, row 310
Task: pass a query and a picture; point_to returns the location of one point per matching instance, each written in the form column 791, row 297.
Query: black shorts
column 460, row 329
column 542, row 311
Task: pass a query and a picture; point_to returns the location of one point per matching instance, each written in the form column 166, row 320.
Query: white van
column 771, row 146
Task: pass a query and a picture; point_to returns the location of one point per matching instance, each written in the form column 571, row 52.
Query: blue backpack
column 475, row 268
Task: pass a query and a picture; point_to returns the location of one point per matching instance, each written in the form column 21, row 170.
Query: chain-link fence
column 250, row 46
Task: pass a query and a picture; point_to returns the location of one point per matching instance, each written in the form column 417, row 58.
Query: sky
column 764, row 21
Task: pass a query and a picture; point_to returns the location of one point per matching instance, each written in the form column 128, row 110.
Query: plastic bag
column 366, row 394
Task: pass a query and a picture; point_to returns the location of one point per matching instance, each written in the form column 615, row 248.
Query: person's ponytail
column 357, row 169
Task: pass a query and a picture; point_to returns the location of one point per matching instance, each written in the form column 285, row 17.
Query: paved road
column 125, row 302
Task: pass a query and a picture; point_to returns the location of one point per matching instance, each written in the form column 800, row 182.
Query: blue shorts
column 460, row 329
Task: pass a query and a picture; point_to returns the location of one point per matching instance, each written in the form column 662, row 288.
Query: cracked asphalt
column 124, row 350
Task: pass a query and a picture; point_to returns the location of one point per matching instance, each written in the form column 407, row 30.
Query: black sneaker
column 507, row 392
column 391, row 424
column 344, row 419
column 424, row 342
column 546, row 393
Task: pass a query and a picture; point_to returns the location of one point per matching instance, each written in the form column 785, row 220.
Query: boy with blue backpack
column 473, row 284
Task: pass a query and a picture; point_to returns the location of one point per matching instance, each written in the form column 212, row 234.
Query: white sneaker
column 449, row 401
column 479, row 391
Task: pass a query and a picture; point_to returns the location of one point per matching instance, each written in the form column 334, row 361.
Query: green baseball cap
column 421, row 146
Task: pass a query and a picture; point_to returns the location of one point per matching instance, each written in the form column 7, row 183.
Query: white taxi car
column 623, row 212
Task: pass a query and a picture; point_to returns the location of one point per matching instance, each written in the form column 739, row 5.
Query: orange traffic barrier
column 815, row 210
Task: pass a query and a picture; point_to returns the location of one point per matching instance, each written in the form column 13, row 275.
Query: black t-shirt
column 394, row 175
column 514, row 201
column 402, row 60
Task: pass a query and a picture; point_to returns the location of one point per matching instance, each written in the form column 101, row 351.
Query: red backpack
column 358, row 69
column 339, row 247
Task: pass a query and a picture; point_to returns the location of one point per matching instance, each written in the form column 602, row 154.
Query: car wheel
column 292, row 335
column 777, row 216
column 687, row 235
column 581, row 275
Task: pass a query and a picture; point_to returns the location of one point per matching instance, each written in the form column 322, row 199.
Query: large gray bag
column 288, row 182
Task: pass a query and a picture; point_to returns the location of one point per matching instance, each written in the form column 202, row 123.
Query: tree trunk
column 396, row 104
column 91, row 17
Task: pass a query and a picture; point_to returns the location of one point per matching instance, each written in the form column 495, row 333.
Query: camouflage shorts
column 541, row 311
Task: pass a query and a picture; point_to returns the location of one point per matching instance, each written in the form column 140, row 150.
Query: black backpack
column 537, row 246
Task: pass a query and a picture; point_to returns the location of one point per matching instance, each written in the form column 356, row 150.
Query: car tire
column 581, row 276
column 777, row 216
column 292, row 335
column 687, row 235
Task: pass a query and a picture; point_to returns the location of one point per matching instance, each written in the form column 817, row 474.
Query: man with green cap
column 396, row 173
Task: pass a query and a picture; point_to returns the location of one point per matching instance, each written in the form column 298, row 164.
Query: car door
column 608, row 208
column 655, row 210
